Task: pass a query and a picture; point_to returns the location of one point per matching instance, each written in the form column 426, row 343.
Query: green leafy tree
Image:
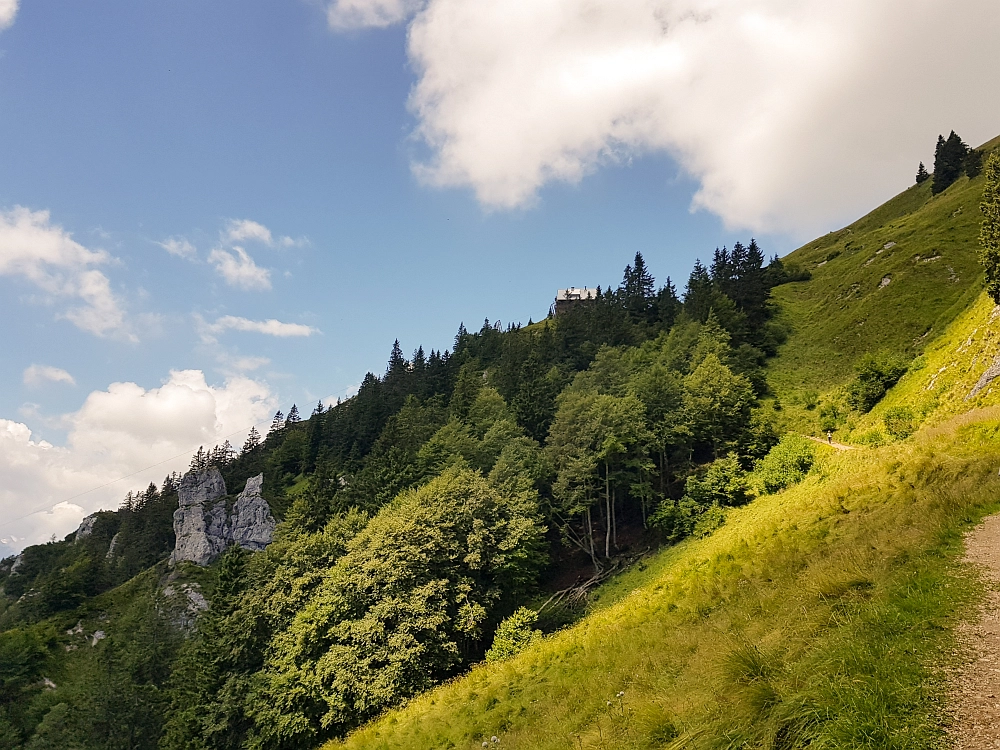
column 513, row 635
column 876, row 374
column 402, row 610
column 785, row 464
column 717, row 404
column 989, row 233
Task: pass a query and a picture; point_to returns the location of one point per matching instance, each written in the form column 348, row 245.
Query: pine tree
column 974, row 163
column 252, row 441
column 277, row 424
column 989, row 235
column 698, row 296
column 922, row 174
column 949, row 161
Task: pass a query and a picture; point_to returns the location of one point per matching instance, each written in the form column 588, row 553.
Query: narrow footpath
column 834, row 444
column 975, row 691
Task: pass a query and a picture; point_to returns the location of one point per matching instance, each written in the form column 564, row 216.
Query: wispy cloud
column 270, row 327
column 247, row 230
column 179, row 246
column 33, row 248
column 239, row 269
column 38, row 374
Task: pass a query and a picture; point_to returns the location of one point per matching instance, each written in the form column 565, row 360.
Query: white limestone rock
column 251, row 522
column 204, row 528
column 86, row 527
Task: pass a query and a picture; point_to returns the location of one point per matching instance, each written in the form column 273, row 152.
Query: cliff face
column 204, row 528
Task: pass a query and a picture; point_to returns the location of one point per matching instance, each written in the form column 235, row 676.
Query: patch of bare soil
column 975, row 692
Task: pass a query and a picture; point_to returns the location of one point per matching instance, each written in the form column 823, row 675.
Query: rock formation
column 203, row 526
column 86, row 527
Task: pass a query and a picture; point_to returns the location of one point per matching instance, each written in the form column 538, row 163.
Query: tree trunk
column 607, row 505
column 614, row 519
column 590, row 536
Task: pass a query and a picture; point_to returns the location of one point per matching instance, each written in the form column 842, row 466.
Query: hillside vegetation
column 601, row 530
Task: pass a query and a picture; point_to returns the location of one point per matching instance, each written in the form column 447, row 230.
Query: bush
column 513, row 635
column 899, row 422
column 723, row 484
column 787, row 463
column 876, row 374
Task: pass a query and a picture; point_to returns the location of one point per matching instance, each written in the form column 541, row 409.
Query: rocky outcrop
column 991, row 374
column 203, row 526
column 86, row 527
column 251, row 523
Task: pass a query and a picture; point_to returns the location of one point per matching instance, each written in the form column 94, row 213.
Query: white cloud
column 46, row 255
column 116, row 433
column 240, row 270
column 8, row 12
column 346, row 14
column 270, row 327
column 793, row 114
column 241, row 230
column 179, row 246
column 38, row 374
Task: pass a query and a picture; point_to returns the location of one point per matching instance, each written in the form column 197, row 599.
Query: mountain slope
column 893, row 280
column 820, row 614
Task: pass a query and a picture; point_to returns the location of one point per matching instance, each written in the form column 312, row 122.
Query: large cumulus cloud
column 118, row 432
column 793, row 114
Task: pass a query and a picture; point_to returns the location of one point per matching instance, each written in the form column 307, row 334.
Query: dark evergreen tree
column 698, row 296
column 922, row 174
column 252, row 441
column 293, row 416
column 949, row 161
column 974, row 163
column 277, row 424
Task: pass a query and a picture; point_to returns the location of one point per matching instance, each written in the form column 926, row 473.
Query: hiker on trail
column 829, row 436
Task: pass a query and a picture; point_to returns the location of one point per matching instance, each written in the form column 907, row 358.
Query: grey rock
column 991, row 374
column 86, row 527
column 111, row 547
column 18, row 562
column 251, row 523
column 204, row 528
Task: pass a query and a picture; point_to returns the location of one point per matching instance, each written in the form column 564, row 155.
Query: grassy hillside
column 893, row 280
column 815, row 614
column 818, row 615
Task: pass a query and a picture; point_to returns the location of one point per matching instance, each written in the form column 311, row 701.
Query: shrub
column 514, row 634
column 787, row 463
column 899, row 421
column 876, row 374
column 724, row 483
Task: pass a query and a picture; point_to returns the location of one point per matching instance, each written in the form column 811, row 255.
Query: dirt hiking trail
column 975, row 689
column 834, row 444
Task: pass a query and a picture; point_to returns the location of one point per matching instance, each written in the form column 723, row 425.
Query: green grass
column 844, row 311
column 817, row 614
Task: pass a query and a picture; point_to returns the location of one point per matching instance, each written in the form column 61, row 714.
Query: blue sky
column 333, row 176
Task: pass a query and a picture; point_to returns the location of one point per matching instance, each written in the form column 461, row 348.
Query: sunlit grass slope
column 815, row 614
column 943, row 382
column 893, row 280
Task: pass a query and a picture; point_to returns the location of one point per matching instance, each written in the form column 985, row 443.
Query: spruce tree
column 922, row 174
column 974, row 163
column 949, row 161
column 252, row 441
column 989, row 235
column 293, row 416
